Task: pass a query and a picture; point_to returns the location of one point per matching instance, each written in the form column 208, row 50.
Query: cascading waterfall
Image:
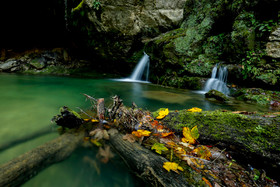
column 218, row 81
column 140, row 72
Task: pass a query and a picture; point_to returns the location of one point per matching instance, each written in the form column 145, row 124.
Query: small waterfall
column 218, row 81
column 140, row 72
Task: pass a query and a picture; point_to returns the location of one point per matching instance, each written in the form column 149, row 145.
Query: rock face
column 273, row 47
column 47, row 61
column 117, row 28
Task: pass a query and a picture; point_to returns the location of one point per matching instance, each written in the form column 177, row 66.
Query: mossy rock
column 255, row 136
column 216, row 95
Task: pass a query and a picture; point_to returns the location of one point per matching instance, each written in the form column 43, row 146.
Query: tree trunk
column 145, row 164
column 24, row 167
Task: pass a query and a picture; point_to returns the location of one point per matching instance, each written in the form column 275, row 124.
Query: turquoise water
column 27, row 104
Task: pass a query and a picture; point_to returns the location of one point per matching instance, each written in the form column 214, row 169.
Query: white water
column 140, row 72
column 218, row 81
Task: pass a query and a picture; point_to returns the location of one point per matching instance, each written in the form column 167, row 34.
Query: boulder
column 10, row 66
column 216, row 95
column 273, row 46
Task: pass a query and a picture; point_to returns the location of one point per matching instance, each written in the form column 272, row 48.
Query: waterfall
column 140, row 72
column 218, row 81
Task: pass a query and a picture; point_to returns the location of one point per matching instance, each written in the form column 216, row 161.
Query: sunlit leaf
column 172, row 166
column 159, row 147
column 194, row 132
column 207, row 182
column 202, row 152
column 180, row 150
column 86, row 119
column 194, row 109
column 94, row 120
column 162, row 114
column 140, row 133
column 165, row 134
column 187, row 136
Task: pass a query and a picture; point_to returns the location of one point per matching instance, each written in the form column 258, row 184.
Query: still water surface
column 27, row 104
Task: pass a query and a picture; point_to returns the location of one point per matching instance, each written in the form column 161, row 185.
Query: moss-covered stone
column 216, row 95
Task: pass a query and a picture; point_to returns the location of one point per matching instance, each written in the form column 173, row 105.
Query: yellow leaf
column 203, row 152
column 187, row 136
column 140, row 133
column 159, row 147
column 195, row 109
column 94, row 120
column 162, row 113
column 172, row 166
column 86, row 119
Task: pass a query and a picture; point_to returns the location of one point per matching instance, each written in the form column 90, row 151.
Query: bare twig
column 85, row 113
column 218, row 156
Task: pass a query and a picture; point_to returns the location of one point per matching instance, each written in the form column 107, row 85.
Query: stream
column 28, row 103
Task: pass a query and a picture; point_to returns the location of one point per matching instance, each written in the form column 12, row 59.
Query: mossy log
column 145, row 164
column 250, row 137
column 21, row 169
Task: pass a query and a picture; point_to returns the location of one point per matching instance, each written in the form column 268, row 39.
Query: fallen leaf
column 129, row 137
column 202, row 152
column 165, row 134
column 86, row 119
column 194, row 109
column 94, row 120
column 190, row 136
column 140, row 133
column 207, row 182
column 162, row 114
column 172, row 166
column 159, row 147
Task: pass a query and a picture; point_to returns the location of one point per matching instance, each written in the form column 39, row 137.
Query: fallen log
column 248, row 137
column 145, row 164
column 21, row 169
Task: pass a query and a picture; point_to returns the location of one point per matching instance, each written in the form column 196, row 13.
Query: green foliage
column 96, row 4
column 250, row 62
column 159, row 147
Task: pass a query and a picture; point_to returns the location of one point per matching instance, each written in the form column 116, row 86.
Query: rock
column 273, row 46
column 125, row 24
column 10, row 66
column 216, row 95
column 38, row 63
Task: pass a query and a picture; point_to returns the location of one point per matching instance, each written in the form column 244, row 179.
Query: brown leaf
column 129, row 137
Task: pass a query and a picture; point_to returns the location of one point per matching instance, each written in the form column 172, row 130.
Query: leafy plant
column 96, row 4
column 249, row 64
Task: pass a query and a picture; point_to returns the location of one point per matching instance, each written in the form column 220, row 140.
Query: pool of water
column 27, row 104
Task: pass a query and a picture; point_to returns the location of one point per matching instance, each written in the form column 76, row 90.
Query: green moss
column 241, row 130
column 216, row 95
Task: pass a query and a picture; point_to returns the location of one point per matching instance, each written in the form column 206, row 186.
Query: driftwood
column 144, row 163
column 24, row 167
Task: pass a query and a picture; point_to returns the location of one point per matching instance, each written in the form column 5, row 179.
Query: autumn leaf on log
column 159, row 147
column 162, row 114
column 194, row 109
column 172, row 166
column 207, row 182
column 165, row 134
column 140, row 133
column 190, row 136
column 129, row 137
column 202, row 152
